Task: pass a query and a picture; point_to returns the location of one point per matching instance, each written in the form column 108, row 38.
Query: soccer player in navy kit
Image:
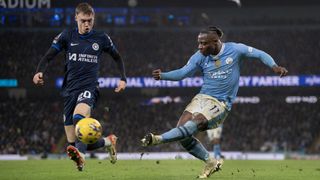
column 83, row 47
column 220, row 64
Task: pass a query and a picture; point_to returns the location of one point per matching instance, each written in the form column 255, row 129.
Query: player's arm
column 114, row 53
column 120, row 65
column 43, row 64
column 251, row 52
column 57, row 44
column 188, row 70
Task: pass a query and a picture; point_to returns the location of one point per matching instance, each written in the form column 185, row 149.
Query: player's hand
column 121, row 86
column 156, row 74
column 280, row 70
column 38, row 79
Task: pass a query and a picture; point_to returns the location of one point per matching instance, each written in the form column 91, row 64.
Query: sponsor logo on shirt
column 221, row 74
column 83, row 57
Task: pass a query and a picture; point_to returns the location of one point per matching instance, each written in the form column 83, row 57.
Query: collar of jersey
column 84, row 35
column 220, row 52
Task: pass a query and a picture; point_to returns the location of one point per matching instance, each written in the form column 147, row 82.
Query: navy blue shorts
column 88, row 96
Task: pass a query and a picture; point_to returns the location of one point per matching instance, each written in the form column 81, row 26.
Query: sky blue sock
column 96, row 145
column 217, row 151
column 181, row 132
column 194, row 147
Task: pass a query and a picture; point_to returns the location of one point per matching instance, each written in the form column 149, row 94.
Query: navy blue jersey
column 83, row 54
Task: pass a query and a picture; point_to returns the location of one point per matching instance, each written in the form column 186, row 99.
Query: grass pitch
column 159, row 170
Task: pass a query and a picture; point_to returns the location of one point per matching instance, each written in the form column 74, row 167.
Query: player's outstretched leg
column 75, row 155
column 77, row 152
column 175, row 134
column 111, row 142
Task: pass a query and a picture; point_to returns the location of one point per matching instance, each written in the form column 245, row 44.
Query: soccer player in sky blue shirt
column 83, row 47
column 219, row 63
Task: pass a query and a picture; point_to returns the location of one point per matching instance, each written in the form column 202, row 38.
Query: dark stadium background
column 162, row 34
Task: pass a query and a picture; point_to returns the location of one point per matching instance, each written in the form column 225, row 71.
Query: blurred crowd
column 144, row 51
column 30, row 127
column 35, row 127
column 272, row 127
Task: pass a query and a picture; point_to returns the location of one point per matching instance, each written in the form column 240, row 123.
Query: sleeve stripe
column 56, row 47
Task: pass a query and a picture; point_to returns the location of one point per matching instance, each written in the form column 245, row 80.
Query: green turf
column 163, row 169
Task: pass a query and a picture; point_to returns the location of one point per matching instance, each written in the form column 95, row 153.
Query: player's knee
column 203, row 125
column 201, row 121
column 185, row 117
column 82, row 109
column 77, row 118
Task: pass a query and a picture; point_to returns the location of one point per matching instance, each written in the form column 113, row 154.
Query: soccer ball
column 88, row 130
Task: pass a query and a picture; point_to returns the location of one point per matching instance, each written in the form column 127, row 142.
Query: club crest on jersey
column 95, row 46
column 229, row 60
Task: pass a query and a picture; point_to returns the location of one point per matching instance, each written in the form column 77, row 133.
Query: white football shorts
column 214, row 110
